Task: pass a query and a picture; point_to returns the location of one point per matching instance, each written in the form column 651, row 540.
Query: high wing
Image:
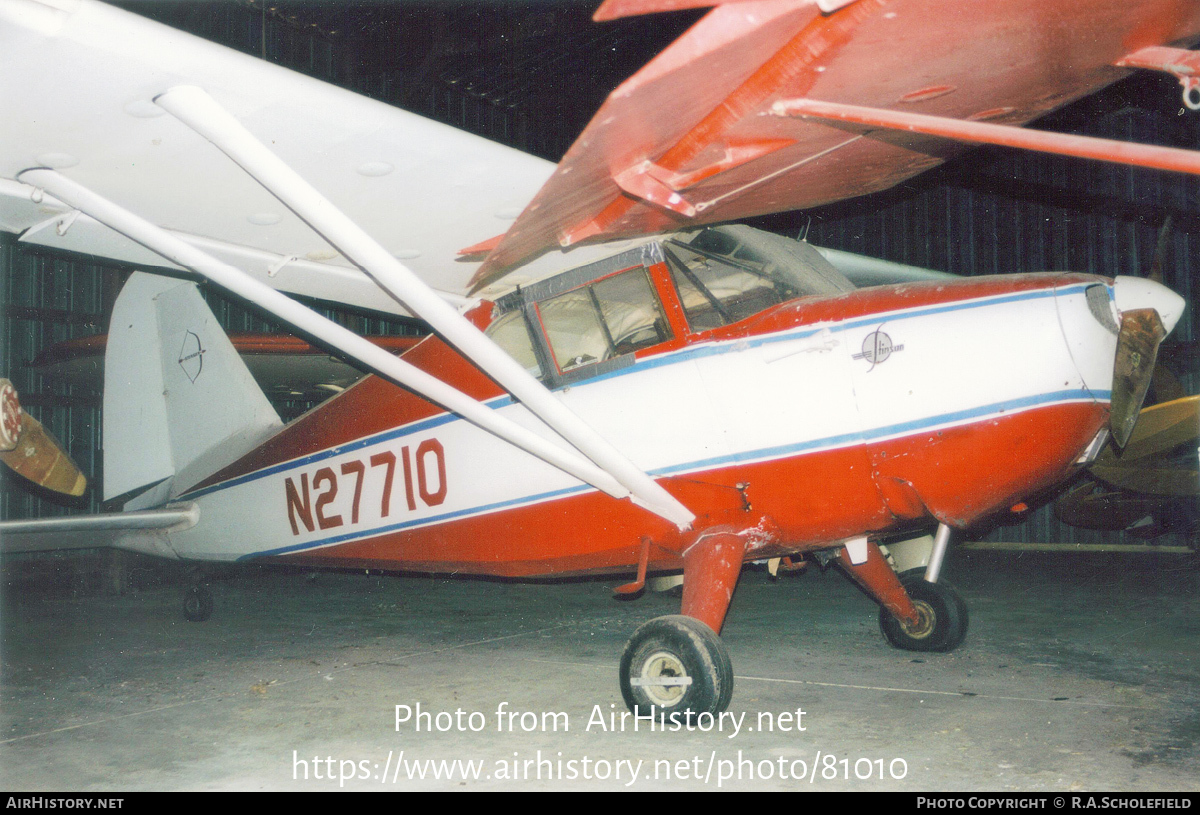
column 83, row 77
column 689, row 139
column 724, row 124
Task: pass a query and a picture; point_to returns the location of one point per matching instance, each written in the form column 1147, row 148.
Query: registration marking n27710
column 313, row 503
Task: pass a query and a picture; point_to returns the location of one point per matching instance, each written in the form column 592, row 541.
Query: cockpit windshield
column 728, row 273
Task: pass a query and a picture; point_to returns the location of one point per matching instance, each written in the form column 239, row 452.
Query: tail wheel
column 678, row 666
column 197, row 603
column 943, row 617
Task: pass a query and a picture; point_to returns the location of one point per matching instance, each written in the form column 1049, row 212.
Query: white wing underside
column 83, row 76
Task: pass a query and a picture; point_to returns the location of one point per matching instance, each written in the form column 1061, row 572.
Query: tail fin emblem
column 191, row 356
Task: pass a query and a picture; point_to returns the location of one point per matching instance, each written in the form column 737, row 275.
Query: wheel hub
column 926, row 618
column 664, row 679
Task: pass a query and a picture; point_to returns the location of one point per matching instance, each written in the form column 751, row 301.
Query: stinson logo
column 876, row 348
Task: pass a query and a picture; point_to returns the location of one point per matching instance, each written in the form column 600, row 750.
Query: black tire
column 680, row 647
column 197, row 604
column 943, row 615
column 919, row 573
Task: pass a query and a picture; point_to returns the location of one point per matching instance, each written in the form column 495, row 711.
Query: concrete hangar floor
column 1079, row 673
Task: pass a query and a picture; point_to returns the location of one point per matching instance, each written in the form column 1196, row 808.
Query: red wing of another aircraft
column 701, row 135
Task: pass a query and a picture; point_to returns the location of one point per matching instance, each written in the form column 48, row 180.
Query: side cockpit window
column 632, row 311
column 614, row 316
column 718, row 290
column 511, row 333
column 575, row 329
column 567, row 332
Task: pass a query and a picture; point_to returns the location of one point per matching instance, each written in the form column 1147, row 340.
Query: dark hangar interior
column 529, row 74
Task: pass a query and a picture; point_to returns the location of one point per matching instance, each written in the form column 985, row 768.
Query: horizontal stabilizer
column 144, row 531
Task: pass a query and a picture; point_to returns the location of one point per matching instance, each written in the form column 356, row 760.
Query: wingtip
column 482, row 248
column 616, row 9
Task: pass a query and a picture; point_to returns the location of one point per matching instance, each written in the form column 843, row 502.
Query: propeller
column 1142, row 331
column 31, row 451
column 1148, row 310
column 1151, row 465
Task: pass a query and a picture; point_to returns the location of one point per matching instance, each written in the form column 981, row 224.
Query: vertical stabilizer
column 179, row 403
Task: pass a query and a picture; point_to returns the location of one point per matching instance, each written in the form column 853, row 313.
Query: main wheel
column 197, row 603
column 678, row 666
column 943, row 617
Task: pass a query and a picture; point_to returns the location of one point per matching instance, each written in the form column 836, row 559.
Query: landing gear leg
column 914, row 614
column 676, row 666
column 197, row 597
column 941, row 542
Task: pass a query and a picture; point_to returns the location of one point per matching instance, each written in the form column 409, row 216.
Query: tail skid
column 179, row 403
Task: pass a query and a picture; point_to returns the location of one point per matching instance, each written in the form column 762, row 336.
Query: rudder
column 179, row 403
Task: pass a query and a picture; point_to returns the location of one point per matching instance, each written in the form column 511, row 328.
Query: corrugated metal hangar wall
column 511, row 72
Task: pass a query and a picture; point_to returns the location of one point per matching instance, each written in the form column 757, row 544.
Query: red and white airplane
column 617, row 383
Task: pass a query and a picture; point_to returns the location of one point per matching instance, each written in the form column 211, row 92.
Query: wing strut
column 195, row 108
column 307, row 321
column 1066, row 144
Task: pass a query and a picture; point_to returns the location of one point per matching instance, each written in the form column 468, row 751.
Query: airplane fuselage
column 818, row 420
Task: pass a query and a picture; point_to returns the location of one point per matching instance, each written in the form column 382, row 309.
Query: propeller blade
column 1142, row 331
column 1160, row 249
column 1160, row 457
column 10, row 416
column 31, row 451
